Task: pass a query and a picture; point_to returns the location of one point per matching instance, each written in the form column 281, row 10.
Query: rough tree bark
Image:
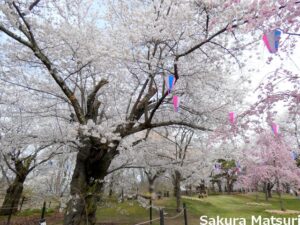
column 92, row 163
column 15, row 189
column 177, row 192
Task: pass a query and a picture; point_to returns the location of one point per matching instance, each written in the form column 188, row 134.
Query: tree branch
column 92, row 97
column 145, row 126
column 133, row 110
column 32, row 5
column 15, row 37
column 50, row 67
column 192, row 49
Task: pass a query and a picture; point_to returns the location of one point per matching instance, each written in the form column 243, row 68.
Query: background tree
column 56, row 181
column 228, row 170
column 22, row 151
column 272, row 164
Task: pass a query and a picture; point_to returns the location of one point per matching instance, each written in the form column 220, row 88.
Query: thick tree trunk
column 177, row 191
column 92, row 164
column 12, row 197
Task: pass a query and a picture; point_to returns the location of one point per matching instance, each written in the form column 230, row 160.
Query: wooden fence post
column 161, row 215
column 185, row 214
column 150, row 210
column 42, row 220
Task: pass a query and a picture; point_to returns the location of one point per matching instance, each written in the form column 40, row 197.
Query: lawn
column 130, row 212
column 222, row 205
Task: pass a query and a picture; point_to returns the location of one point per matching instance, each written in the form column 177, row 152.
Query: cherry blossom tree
column 181, row 158
column 55, row 182
column 229, row 171
column 107, row 72
column 23, row 150
column 272, row 164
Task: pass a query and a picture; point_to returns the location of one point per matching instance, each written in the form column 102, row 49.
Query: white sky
column 261, row 68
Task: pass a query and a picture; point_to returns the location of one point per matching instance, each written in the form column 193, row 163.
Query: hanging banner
column 275, row 128
column 170, row 81
column 232, row 117
column 271, row 40
column 176, row 103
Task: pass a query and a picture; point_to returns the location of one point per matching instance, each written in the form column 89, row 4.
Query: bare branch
column 15, row 36
column 32, row 5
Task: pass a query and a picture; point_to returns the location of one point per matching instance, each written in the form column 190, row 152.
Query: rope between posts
column 146, row 222
column 174, row 217
column 167, row 218
column 170, row 208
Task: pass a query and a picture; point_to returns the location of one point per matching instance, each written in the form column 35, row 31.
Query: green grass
column 127, row 212
column 130, row 212
column 235, row 206
column 222, row 205
column 34, row 212
column 28, row 213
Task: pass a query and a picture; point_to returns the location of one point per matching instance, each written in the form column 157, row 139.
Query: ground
column 130, row 212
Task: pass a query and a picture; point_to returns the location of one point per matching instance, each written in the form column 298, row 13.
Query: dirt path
column 54, row 219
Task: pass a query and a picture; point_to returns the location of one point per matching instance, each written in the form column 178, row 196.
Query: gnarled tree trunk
column 12, row 197
column 92, row 163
